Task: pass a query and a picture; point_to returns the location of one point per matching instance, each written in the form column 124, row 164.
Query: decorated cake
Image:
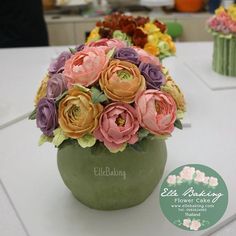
column 223, row 27
column 150, row 35
column 108, row 108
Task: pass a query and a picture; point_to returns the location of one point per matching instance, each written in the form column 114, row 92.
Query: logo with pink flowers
column 193, row 197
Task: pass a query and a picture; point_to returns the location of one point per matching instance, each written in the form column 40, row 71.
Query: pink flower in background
column 213, row 182
column 108, row 43
column 195, row 225
column 171, row 179
column 146, row 57
column 186, row 223
column 200, row 176
column 85, row 67
column 187, row 173
column 156, row 111
column 206, row 180
column 118, row 125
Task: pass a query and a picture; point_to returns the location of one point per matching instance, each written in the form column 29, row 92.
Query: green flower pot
column 107, row 181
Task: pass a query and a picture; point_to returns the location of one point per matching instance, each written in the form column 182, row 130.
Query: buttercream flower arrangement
column 223, row 28
column 224, row 21
column 151, row 35
column 107, row 93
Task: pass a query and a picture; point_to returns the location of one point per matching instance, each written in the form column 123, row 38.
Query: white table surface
column 30, row 176
column 21, row 73
column 198, row 57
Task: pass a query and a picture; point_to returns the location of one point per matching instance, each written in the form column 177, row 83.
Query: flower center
column 157, row 107
column 120, row 121
column 124, row 75
column 75, row 110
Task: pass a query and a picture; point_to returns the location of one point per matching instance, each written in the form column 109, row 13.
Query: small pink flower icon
column 195, row 225
column 213, row 182
column 200, row 176
column 186, row 223
column 187, row 173
column 206, row 180
column 171, row 179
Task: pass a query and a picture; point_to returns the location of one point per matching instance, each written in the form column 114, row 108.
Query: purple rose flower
column 57, row 65
column 56, row 86
column 127, row 54
column 46, row 116
column 79, row 48
column 153, row 75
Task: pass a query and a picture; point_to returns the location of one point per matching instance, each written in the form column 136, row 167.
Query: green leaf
column 110, row 53
column 138, row 147
column 87, row 140
column 32, row 116
column 178, row 124
column 43, row 139
column 59, row 137
column 98, row 96
column 59, row 98
column 81, row 88
column 72, row 50
column 142, row 133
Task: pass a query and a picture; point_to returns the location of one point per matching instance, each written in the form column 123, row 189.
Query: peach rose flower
column 42, row 90
column 172, row 88
column 146, row 57
column 77, row 115
column 195, row 225
column 108, row 44
column 171, row 179
column 121, row 81
column 156, row 111
column 118, row 125
column 85, row 66
column 187, row 173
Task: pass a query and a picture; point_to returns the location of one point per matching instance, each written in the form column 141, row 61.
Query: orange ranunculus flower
column 42, row 90
column 152, row 49
column 121, row 81
column 77, row 115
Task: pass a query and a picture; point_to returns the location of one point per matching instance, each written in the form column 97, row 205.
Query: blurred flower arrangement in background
column 142, row 32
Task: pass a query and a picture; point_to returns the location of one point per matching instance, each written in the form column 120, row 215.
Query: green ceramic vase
column 107, row 181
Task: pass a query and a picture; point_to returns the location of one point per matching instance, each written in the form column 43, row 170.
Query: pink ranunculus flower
column 118, row 125
column 195, row 225
column 108, row 44
column 187, row 173
column 146, row 57
column 171, row 179
column 213, row 182
column 200, row 176
column 156, row 111
column 186, row 223
column 85, row 67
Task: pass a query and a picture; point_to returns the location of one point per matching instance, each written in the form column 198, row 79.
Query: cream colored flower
column 42, row 90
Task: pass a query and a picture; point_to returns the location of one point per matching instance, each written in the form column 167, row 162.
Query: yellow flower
column 172, row 88
column 94, row 35
column 42, row 90
column 150, row 28
column 219, row 10
column 154, row 37
column 77, row 114
column 232, row 11
column 152, row 49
